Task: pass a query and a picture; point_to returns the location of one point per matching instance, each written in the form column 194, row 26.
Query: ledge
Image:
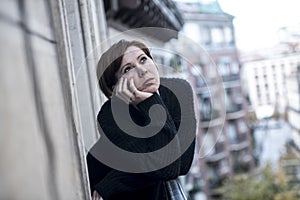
column 131, row 14
column 239, row 146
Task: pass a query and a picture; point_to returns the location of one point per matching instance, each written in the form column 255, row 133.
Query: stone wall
column 48, row 95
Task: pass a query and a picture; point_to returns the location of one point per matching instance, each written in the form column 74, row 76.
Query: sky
column 257, row 21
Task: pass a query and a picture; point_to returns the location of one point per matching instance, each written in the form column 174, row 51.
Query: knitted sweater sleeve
column 147, row 145
column 116, row 181
column 167, row 134
column 187, row 121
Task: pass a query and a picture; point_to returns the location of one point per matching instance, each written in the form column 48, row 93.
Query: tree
column 263, row 185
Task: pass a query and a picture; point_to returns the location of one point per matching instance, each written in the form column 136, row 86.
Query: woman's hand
column 127, row 91
column 96, row 196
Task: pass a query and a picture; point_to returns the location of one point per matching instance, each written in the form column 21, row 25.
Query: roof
column 201, row 7
column 210, row 6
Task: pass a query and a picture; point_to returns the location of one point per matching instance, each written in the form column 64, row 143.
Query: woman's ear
column 112, row 91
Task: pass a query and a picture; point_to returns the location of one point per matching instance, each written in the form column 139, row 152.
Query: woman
column 129, row 78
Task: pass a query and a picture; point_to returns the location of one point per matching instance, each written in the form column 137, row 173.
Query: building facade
column 290, row 36
column 49, row 92
column 224, row 134
column 273, row 77
column 293, row 106
column 273, row 80
column 267, row 79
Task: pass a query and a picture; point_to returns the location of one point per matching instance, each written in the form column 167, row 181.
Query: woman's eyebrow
column 140, row 56
column 129, row 63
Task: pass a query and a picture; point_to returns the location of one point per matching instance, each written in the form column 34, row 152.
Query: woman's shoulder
column 104, row 110
column 176, row 86
column 176, row 83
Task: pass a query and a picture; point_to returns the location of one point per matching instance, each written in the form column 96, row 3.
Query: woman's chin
column 151, row 89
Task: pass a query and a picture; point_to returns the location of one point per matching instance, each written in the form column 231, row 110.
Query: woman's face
column 138, row 66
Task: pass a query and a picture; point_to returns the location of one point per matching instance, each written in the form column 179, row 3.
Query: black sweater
column 114, row 183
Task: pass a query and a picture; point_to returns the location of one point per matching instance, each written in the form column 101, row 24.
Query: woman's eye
column 143, row 59
column 127, row 69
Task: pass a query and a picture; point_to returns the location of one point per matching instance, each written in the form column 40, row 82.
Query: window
column 205, row 35
column 224, row 167
column 242, row 126
column 217, row 35
column 208, row 144
column 228, row 35
column 266, row 86
column 193, row 30
column 264, row 69
column 234, row 68
column 206, row 110
column 228, row 98
column 273, row 67
column 232, row 134
column 224, row 68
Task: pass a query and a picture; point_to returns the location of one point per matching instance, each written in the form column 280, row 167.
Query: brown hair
column 110, row 62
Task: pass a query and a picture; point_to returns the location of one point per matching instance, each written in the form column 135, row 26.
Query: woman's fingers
column 137, row 95
column 96, row 196
column 122, row 90
column 128, row 92
column 134, row 91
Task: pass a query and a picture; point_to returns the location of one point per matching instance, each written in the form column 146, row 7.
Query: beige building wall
column 48, row 96
column 267, row 80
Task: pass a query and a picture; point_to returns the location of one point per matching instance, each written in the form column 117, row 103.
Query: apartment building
column 291, row 37
column 224, row 133
column 273, row 80
column 267, row 79
column 293, row 103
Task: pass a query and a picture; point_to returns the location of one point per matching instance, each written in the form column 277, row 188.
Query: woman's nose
column 141, row 71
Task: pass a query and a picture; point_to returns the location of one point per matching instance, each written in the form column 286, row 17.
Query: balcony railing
column 239, row 138
column 235, row 111
column 219, row 153
column 128, row 14
column 234, row 108
column 219, row 147
column 239, row 143
column 231, row 77
column 209, row 114
column 215, row 122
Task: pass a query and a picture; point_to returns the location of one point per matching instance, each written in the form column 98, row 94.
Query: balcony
column 232, row 108
column 211, row 123
column 217, row 180
column 241, row 161
column 219, row 153
column 232, row 83
column 231, row 77
column 215, row 183
column 223, row 171
column 234, row 111
column 128, row 14
column 211, row 87
column 209, row 114
column 240, row 143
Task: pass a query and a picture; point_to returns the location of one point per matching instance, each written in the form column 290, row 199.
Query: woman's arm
column 122, row 181
column 167, row 132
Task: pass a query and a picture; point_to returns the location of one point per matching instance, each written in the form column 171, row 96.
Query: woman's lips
column 148, row 82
